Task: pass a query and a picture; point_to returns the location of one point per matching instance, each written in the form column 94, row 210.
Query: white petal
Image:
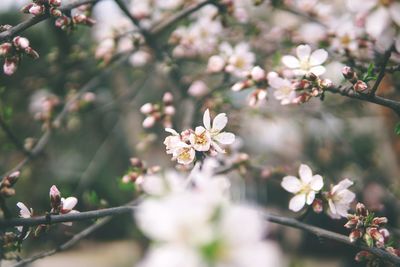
column 318, row 57
column 305, row 173
column 318, row 70
column 332, row 206
column 207, row 119
column 291, row 62
column 24, row 211
column 377, row 22
column 346, row 196
column 317, row 182
column 225, row 138
column 291, row 184
column 171, row 131
column 219, row 122
column 303, row 52
column 346, row 183
column 217, row 147
column 394, row 10
column 310, row 197
column 69, row 203
column 297, row 202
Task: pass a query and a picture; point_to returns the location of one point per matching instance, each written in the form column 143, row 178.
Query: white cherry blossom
column 24, row 212
column 306, row 62
column 215, row 130
column 304, row 188
column 340, row 198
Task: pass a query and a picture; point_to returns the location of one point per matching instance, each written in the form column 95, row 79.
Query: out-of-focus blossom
column 198, row 89
column 304, row 188
column 306, row 62
column 283, row 88
column 339, row 199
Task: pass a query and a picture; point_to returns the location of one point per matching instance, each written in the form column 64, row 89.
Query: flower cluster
column 238, row 60
column 59, row 205
column 52, row 7
column 138, row 171
column 308, row 188
column 193, row 224
column 13, row 51
column 203, row 139
column 159, row 112
column 359, row 85
column 43, row 105
column 365, row 226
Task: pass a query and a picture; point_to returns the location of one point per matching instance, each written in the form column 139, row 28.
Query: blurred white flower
column 304, row 188
column 283, row 88
column 198, row 89
column 340, row 198
column 306, row 62
column 25, row 213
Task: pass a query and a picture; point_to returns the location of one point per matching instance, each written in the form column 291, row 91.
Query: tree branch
column 382, row 71
column 96, row 214
column 6, row 35
column 372, row 98
column 12, row 137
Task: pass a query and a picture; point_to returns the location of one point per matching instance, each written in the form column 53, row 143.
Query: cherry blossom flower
column 306, row 62
column 25, row 213
column 340, row 198
column 284, row 90
column 181, row 151
column 62, row 205
column 304, row 188
column 218, row 137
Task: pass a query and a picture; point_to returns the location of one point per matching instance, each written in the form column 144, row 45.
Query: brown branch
column 372, row 98
column 382, row 71
column 73, row 241
column 17, row 29
column 129, row 208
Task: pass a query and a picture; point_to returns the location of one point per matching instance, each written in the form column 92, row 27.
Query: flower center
column 385, row 2
column 201, row 139
column 185, row 154
column 305, row 64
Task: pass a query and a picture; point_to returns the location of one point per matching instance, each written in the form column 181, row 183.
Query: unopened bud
column 168, row 97
column 169, row 110
column 83, row 19
column 55, row 12
column 62, row 22
column 55, row 3
column 311, row 76
column 55, row 197
column 25, row 9
column 149, row 122
column 326, row 84
column 21, row 42
column 360, row 86
column 355, row 235
column 10, row 66
column 348, row 73
column 361, row 209
column 198, row 89
column 32, row 53
column 147, row 108
column 36, row 10
column 317, row 205
column 5, row 49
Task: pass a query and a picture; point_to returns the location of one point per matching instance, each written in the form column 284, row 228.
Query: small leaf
column 397, row 128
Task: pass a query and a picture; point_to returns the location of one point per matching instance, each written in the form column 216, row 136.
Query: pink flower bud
column 257, row 74
column 317, row 205
column 168, row 98
column 198, row 89
column 136, row 162
column 62, row 22
column 147, row 108
column 25, row 9
column 348, row 73
column 21, row 42
column 55, row 3
column 5, row 49
column 54, row 192
column 36, row 10
column 379, row 220
column 169, row 110
column 83, row 19
column 32, row 53
column 326, row 84
column 360, row 86
column 149, row 122
column 10, row 66
column 361, row 210
column 55, row 198
column 55, row 12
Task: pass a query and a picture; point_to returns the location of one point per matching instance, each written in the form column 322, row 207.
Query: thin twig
column 12, row 137
column 17, row 29
column 382, row 71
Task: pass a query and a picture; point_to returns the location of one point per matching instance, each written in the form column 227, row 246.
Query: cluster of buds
column 13, row 51
column 52, row 7
column 162, row 112
column 138, row 171
column 364, row 225
column 6, row 185
column 350, row 75
column 310, row 86
column 43, row 107
column 256, row 78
